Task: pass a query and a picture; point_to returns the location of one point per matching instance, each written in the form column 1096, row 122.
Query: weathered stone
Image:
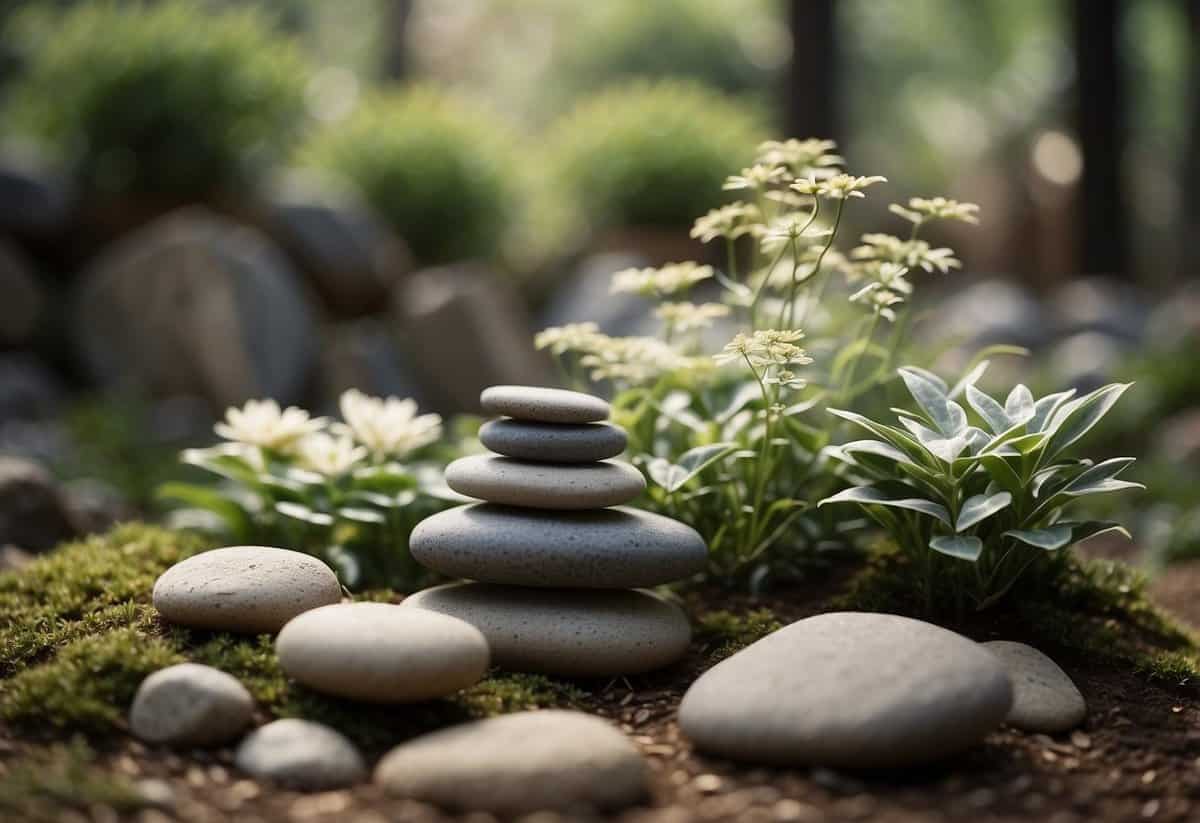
column 603, row 548
column 545, row 486
column 540, row 404
column 190, row 705
column 195, row 304
column 553, row 442
column 848, row 689
column 302, row 755
column 381, row 653
column 570, row 632
column 247, row 589
column 519, row 763
column 33, row 513
column 22, row 303
column 1045, row 699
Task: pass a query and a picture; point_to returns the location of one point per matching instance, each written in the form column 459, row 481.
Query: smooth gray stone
column 545, row 485
column 301, row 754
column 190, row 705
column 381, row 653
column 543, row 405
column 568, row 632
column 619, row 548
column 519, row 763
column 553, row 442
column 851, row 690
column 249, row 589
column 1045, row 699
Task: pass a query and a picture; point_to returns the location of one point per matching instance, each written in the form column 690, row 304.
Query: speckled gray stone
column 301, row 754
column 543, row 405
column 553, row 442
column 381, row 653
column 248, row 589
column 617, row 548
column 848, row 689
column 1045, row 699
column 190, row 705
column 519, row 763
column 544, row 485
column 570, row 632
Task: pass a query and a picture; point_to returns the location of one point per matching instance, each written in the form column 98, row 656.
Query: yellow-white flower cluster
column 670, row 279
column 731, row 221
column 887, row 288
column 921, row 209
column 837, row 187
column 909, row 253
column 765, row 348
column 685, row 317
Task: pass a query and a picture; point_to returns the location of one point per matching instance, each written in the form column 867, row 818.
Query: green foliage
column 979, row 505
column 39, row 785
column 648, row 154
column 78, row 634
column 729, row 632
column 171, row 98
column 442, row 171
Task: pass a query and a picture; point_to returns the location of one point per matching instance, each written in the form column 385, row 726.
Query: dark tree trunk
column 395, row 21
column 1189, row 257
column 1100, row 123
column 811, row 93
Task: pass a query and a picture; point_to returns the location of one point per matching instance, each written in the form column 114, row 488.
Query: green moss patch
column 78, row 635
column 727, row 632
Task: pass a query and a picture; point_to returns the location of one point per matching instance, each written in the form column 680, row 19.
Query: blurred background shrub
column 168, row 98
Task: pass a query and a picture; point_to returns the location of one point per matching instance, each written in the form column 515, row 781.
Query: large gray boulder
column 21, row 298
column 34, row 516
column 196, row 304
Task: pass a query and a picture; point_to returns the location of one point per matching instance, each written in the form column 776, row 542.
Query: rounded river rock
column 519, row 763
column 1045, row 699
column 617, row 548
column 553, row 442
column 848, row 689
column 301, row 754
column 569, row 632
column 249, row 589
column 381, row 653
column 544, row 485
column 190, row 705
column 543, row 405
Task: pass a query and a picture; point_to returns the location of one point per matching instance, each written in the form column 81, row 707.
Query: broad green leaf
column 1002, row 473
column 297, row 511
column 897, row 437
column 925, row 374
column 663, row 472
column 697, row 459
column 1086, row 530
column 869, row 495
column 1105, row 470
column 227, row 460
column 745, row 394
column 1100, row 487
column 878, row 448
column 1076, row 418
column 992, row 412
column 1050, row 538
column 931, row 397
column 964, row 548
column 1019, row 404
column 236, row 519
column 360, row 515
column 969, row 379
column 980, row 507
column 1044, row 409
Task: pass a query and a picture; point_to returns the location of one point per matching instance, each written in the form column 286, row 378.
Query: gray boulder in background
column 196, row 304
column 34, row 199
column 585, row 296
column 21, row 297
column 464, row 328
column 350, row 257
column 363, row 354
column 34, row 516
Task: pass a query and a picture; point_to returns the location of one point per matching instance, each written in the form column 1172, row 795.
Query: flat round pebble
column 190, row 705
column 848, row 689
column 249, row 589
column 302, row 755
column 553, row 442
column 543, row 405
column 519, row 763
column 381, row 653
column 543, row 485
column 619, row 548
column 569, row 632
column 1045, row 699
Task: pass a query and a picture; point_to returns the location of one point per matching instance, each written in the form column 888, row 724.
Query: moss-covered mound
column 78, row 634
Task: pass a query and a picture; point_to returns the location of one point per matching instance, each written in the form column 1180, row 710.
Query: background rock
column 34, row 516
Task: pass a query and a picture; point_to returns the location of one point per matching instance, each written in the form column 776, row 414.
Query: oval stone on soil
column 544, row 485
column 553, row 442
column 605, row 548
column 381, row 653
column 301, row 754
column 519, row 763
column 569, row 632
column 190, row 705
column 848, row 689
column 248, row 589
column 1045, row 699
column 542, row 404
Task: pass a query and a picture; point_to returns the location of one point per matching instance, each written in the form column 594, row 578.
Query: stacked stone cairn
column 555, row 564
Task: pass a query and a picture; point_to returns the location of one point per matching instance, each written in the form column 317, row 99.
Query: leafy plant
column 977, row 504
column 171, row 98
column 733, row 451
column 338, row 491
column 439, row 170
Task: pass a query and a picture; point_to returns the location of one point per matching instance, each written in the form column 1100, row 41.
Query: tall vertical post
column 810, row 93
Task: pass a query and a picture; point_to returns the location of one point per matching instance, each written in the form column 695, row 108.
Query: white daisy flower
column 387, row 427
column 261, row 423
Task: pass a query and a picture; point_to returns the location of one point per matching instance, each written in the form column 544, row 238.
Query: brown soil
column 1136, row 757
